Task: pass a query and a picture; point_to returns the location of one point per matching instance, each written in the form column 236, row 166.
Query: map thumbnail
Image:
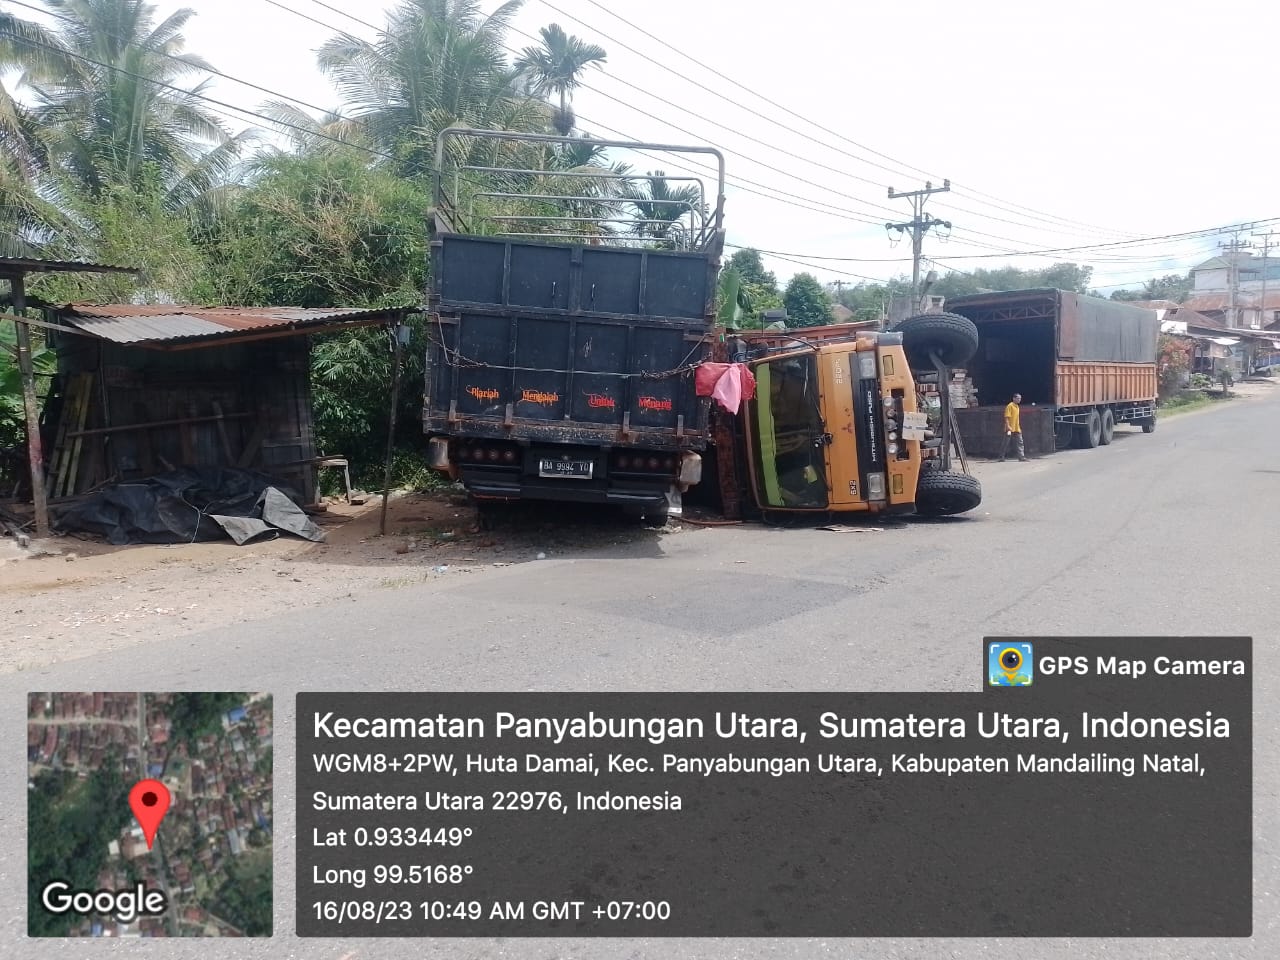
column 208, row 872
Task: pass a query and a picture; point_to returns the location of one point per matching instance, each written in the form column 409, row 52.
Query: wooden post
column 391, row 429
column 27, row 370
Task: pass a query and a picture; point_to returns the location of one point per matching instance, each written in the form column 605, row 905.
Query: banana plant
column 43, row 361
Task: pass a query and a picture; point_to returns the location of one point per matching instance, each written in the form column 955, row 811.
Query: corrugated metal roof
column 167, row 322
column 15, row 266
column 1245, row 299
column 1185, row 314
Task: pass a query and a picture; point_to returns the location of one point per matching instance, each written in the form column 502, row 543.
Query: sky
column 1058, row 125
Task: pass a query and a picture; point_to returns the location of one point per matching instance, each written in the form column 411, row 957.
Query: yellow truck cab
column 836, row 424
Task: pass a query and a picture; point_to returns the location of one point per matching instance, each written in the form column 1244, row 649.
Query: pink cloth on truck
column 728, row 384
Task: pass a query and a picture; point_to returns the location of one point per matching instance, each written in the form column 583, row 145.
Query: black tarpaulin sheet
column 190, row 505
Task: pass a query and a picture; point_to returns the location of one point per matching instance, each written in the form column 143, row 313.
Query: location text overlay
column 1093, row 787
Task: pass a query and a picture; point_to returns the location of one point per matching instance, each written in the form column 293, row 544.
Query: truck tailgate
column 568, row 343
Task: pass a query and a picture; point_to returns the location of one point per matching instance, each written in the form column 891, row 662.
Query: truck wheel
column 1089, row 434
column 952, row 337
column 1149, row 426
column 1108, row 426
column 944, row 493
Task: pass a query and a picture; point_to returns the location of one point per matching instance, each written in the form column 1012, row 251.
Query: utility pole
column 1233, row 248
column 1266, row 239
column 919, row 224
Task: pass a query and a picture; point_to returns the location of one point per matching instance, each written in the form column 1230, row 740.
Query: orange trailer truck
column 1082, row 364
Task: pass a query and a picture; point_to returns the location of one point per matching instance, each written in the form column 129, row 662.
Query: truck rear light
column 875, row 486
column 669, row 463
column 867, row 365
column 654, row 463
column 624, row 462
column 494, row 454
column 509, row 456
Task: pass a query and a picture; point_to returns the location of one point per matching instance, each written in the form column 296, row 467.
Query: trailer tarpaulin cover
column 189, row 505
column 1106, row 331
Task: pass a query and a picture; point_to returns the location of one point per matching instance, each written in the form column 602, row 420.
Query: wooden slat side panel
column 1087, row 384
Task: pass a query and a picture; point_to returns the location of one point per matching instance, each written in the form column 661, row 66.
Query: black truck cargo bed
column 564, row 343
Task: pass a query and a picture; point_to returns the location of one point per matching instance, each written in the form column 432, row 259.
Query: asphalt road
column 1175, row 533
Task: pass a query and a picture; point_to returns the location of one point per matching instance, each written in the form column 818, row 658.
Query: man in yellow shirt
column 1013, row 428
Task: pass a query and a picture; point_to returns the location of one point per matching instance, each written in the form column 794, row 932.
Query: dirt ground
column 67, row 597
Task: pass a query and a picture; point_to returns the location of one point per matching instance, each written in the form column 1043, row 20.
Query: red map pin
column 149, row 801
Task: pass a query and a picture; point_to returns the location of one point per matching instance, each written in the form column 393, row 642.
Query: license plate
column 574, row 469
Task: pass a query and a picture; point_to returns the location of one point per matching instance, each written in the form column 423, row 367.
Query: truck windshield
column 787, row 429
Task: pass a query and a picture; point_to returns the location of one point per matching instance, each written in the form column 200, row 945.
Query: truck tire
column 1108, row 426
column 944, row 493
column 1089, row 434
column 1149, row 425
column 952, row 337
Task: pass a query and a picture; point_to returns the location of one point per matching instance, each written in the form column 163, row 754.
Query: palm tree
column 437, row 63
column 556, row 67
column 659, row 210
column 105, row 85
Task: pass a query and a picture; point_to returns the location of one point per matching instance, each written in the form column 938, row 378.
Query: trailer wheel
column 1149, row 425
column 1108, row 426
column 944, row 493
column 1089, row 434
column 952, row 337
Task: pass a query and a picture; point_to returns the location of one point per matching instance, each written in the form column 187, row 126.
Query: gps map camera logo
column 1010, row 665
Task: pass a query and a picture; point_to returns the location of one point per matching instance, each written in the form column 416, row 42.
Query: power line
column 343, row 13
column 803, row 159
column 821, row 205
column 855, row 215
column 737, row 84
column 205, row 98
column 805, row 203
column 321, row 23
column 852, row 214
column 178, row 59
column 803, row 257
column 796, row 258
column 1138, row 241
column 814, row 266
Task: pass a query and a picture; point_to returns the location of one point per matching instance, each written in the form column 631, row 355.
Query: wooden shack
column 142, row 389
